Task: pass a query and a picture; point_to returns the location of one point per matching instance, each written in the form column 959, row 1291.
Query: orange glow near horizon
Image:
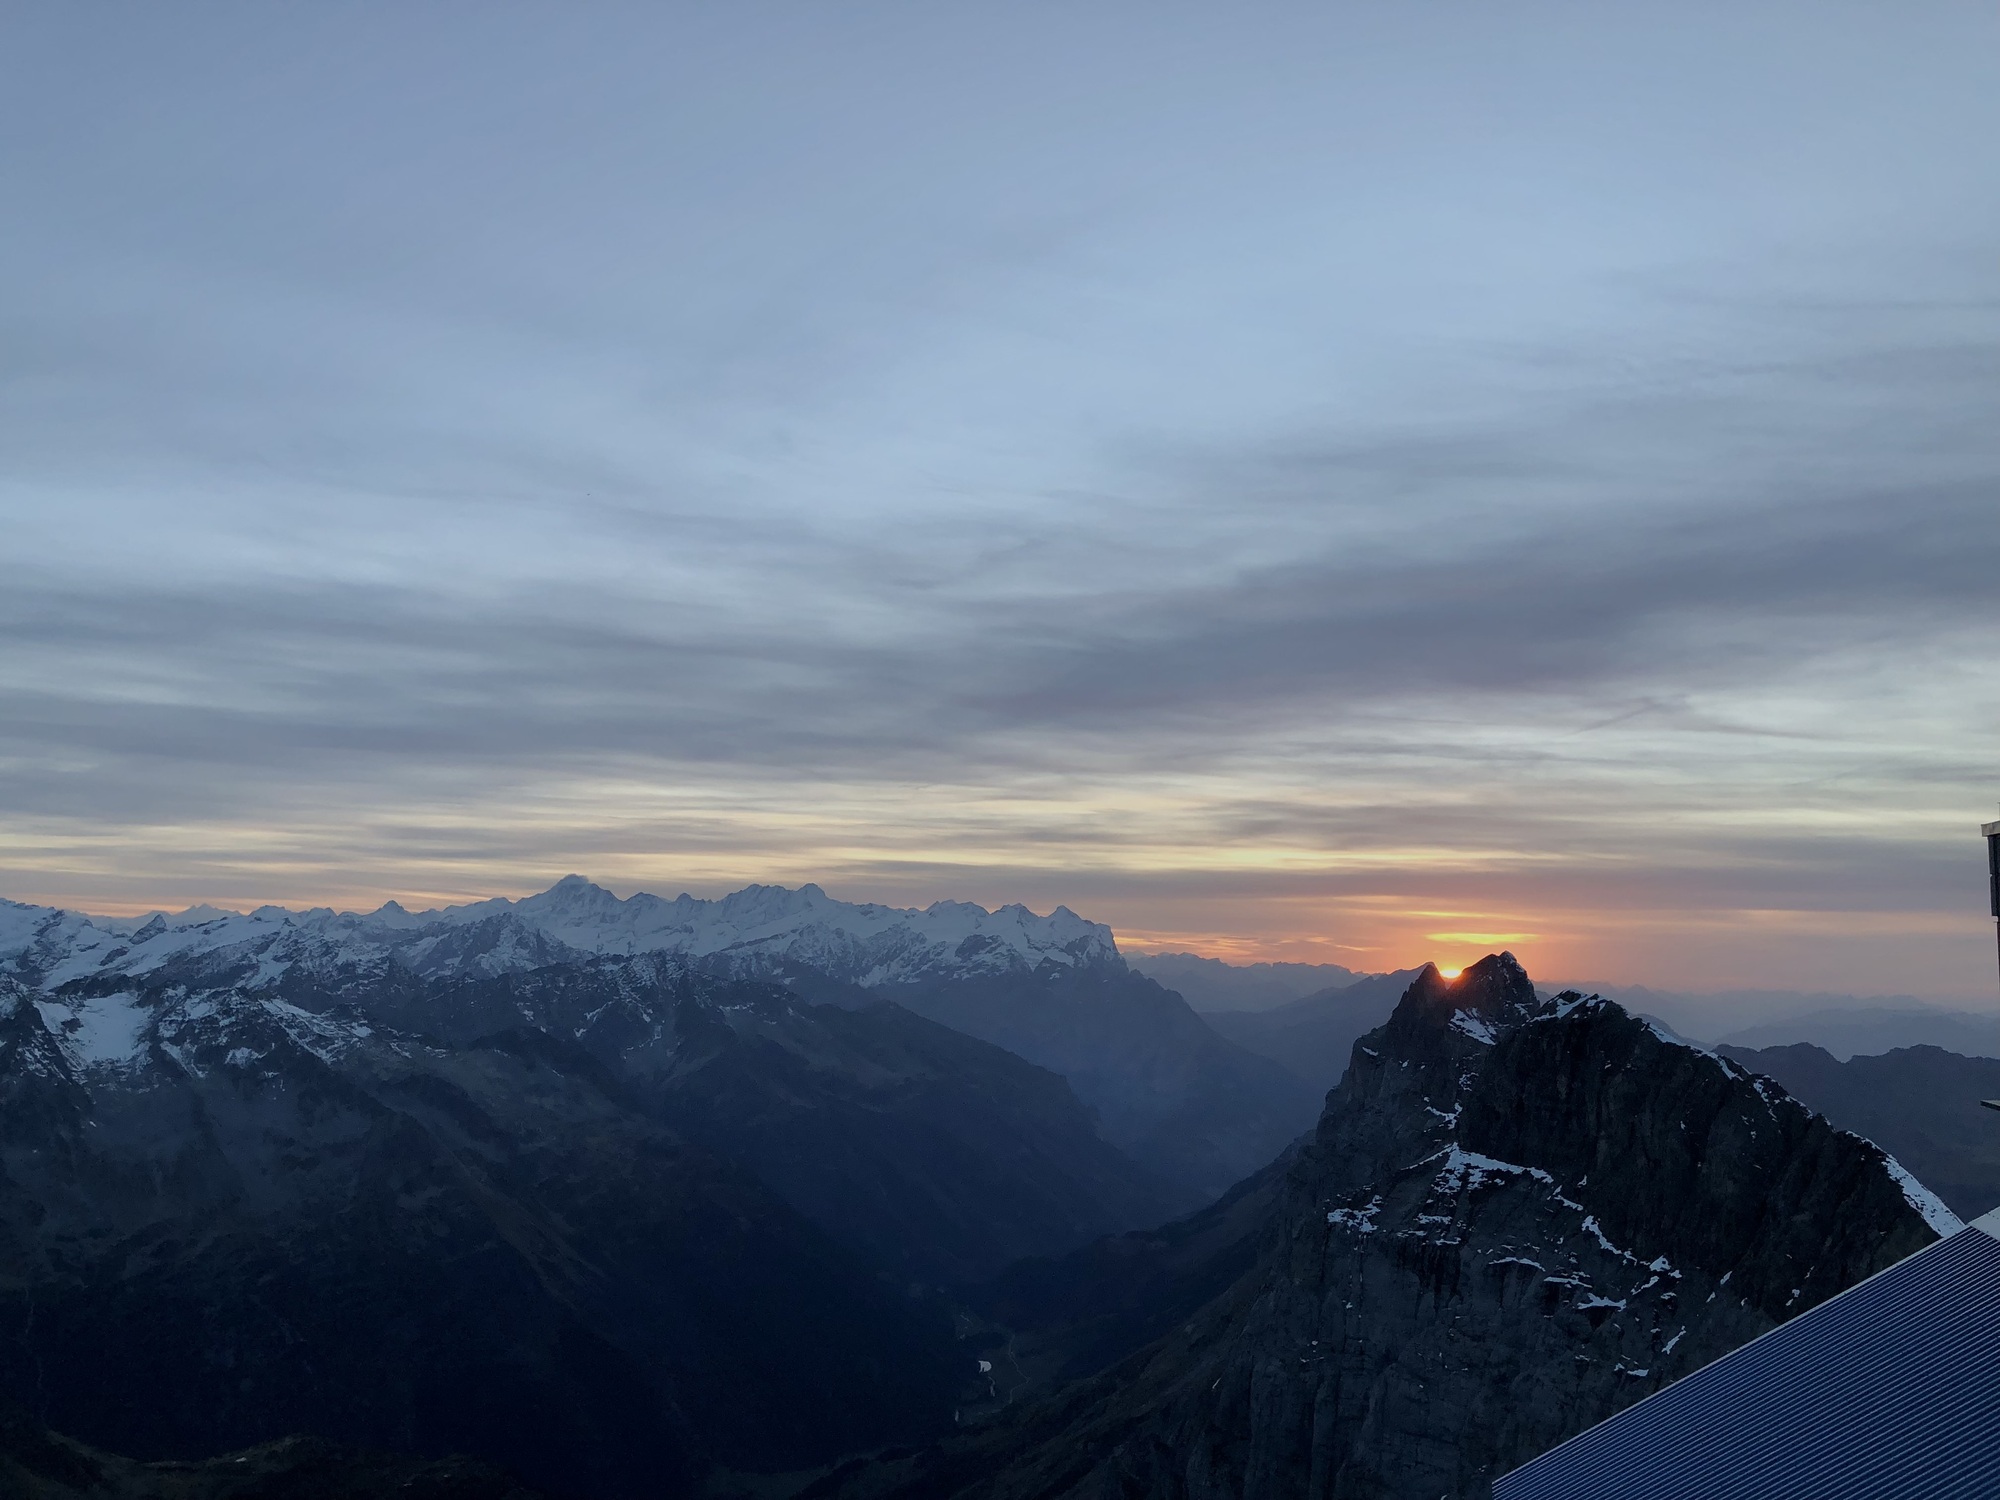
column 1450, row 973
column 1581, row 927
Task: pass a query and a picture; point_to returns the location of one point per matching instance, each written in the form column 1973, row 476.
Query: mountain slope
column 1515, row 1217
column 1074, row 1315
column 36, row 1464
column 224, row 1217
column 1921, row 1103
column 938, row 1155
column 1192, row 1107
column 1194, row 1110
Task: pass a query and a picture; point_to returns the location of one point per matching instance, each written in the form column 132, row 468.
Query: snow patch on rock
column 1468, row 1171
column 1468, row 1024
column 1941, row 1219
column 102, row 1031
column 1356, row 1220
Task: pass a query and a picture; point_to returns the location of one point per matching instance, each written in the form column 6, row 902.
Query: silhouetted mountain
column 1515, row 1217
column 1210, row 984
column 1870, row 1030
column 1313, row 1037
column 1921, row 1103
column 36, row 1464
column 1197, row 1110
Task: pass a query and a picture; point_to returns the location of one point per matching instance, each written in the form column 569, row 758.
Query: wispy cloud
column 1147, row 486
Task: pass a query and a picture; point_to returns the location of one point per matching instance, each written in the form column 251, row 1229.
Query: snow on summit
column 762, row 925
column 868, row 944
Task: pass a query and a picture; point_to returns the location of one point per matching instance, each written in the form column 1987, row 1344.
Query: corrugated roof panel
column 1889, row 1390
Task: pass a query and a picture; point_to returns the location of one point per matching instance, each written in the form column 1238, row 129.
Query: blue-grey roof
column 1889, row 1390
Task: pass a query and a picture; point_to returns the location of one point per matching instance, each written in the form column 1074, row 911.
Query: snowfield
column 49, row 948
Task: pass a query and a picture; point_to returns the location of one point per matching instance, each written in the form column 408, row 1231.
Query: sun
column 1449, row 973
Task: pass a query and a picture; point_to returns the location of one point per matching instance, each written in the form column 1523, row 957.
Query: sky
column 1346, row 482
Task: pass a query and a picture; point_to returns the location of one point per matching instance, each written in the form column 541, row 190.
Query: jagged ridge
column 753, row 930
column 1195, row 1111
column 1515, row 1217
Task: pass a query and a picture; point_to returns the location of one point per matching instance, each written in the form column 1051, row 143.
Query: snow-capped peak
column 763, row 925
column 868, row 943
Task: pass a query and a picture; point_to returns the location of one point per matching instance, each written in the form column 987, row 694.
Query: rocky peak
column 1487, row 998
column 1405, row 1081
column 1683, row 1154
column 1515, row 1218
column 574, row 893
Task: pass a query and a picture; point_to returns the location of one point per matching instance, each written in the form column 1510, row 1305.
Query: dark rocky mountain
column 1516, row 1216
column 1314, row 1036
column 937, row 1155
column 1195, row 1109
column 266, row 1220
column 942, row 1156
column 1920, row 1103
column 1072, row 1316
column 36, row 1464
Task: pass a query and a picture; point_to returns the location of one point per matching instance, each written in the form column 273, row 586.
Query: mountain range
column 754, row 930
column 588, row 1176
column 1196, row 1111
column 1852, row 1031
column 1844, row 1025
column 643, row 1197
column 490, row 1179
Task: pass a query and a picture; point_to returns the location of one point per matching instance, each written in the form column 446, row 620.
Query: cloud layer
column 1286, row 493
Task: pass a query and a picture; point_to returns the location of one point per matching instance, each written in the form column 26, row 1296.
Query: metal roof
column 1889, row 1390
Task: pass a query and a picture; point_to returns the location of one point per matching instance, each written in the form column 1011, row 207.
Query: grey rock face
column 1515, row 1218
column 1920, row 1102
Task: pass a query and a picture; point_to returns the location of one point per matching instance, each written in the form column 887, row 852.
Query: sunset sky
column 1340, row 482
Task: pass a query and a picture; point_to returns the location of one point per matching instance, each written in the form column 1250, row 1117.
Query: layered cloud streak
column 1639, row 596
